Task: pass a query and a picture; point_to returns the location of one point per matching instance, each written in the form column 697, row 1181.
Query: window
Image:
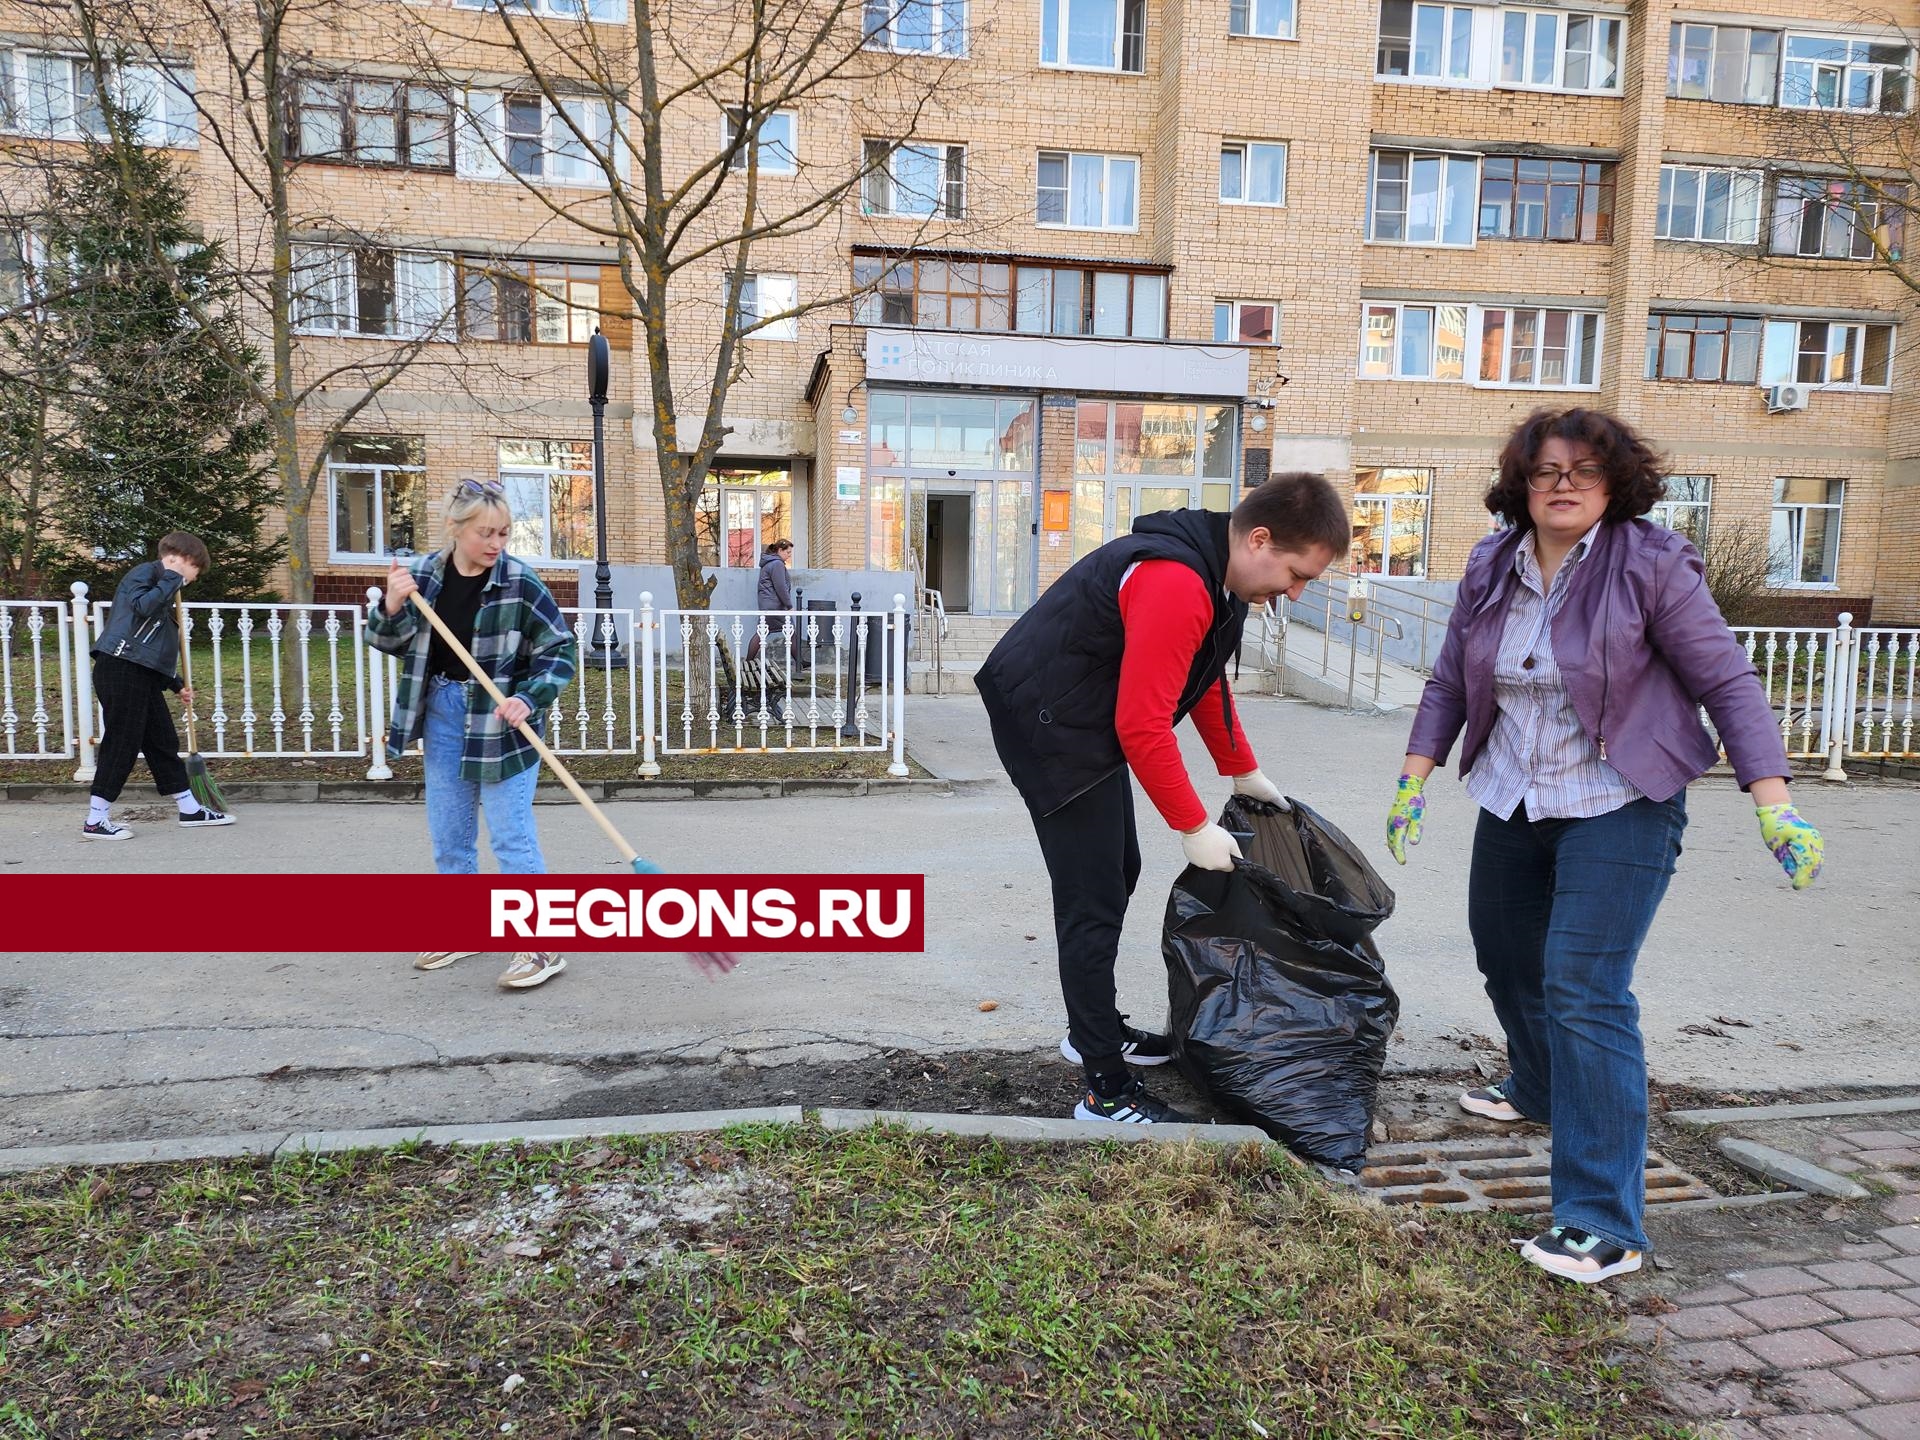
column 529, row 136
column 1139, row 447
column 549, row 486
column 52, row 95
column 1421, row 199
column 22, row 263
column 1831, row 353
column 527, row 302
column 951, row 432
column 957, row 292
column 610, row 11
column 1728, row 63
column 1413, row 342
column 1804, row 533
column 1685, row 508
column 1270, row 19
column 373, row 122
column 1088, row 192
column 1253, row 173
column 1425, row 42
column 1835, row 220
column 740, row 513
column 1713, row 348
column 377, row 496
column 776, row 147
column 915, row 180
column 764, row 297
column 1540, row 349
column 1094, row 34
column 917, row 27
column 1835, row 72
column 1546, row 200
column 1390, row 520
column 1560, row 50
column 1721, row 206
column 339, row 290
column 1246, row 322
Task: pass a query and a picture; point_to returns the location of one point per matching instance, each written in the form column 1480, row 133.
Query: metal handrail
column 1429, row 611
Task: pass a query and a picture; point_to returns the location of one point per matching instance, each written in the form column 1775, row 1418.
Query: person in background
column 775, row 600
column 1582, row 645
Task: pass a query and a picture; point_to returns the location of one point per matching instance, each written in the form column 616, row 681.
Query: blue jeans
column 454, row 804
column 1558, row 911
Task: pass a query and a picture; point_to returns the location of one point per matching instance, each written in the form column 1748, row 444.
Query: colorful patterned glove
column 1794, row 843
column 1404, row 819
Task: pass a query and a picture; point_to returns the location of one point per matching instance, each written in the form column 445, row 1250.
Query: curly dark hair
column 1636, row 475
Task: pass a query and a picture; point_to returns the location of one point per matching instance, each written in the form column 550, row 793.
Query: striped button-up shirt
column 1538, row 750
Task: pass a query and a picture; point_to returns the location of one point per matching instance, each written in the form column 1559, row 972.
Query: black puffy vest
column 1053, row 682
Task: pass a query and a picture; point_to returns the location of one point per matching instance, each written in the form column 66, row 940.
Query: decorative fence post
column 82, row 682
column 649, row 761
column 899, row 765
column 1838, row 717
column 378, row 768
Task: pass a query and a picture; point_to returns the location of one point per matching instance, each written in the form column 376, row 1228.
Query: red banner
column 348, row 914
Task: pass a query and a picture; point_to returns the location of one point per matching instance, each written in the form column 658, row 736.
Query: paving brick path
column 1826, row 1347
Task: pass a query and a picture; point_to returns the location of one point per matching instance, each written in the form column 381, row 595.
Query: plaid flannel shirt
column 521, row 641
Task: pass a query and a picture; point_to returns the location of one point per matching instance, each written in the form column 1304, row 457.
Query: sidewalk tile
column 1904, row 1238
column 1890, row 1422
column 1874, row 1338
column 1823, row 1390
column 1892, row 1380
column 1721, row 1293
column 1907, row 1265
column 1811, row 1427
column 1735, row 1430
column 1712, row 1358
column 1878, row 1139
column 1869, row 1304
column 1890, row 1159
column 1856, row 1274
column 1784, row 1312
column 1904, row 1210
column 1800, row 1349
column 1777, row 1280
column 1717, row 1322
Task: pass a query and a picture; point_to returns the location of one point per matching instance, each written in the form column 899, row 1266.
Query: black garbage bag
column 1280, row 1006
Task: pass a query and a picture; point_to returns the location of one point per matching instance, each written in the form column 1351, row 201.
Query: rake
column 206, row 794
column 716, row 962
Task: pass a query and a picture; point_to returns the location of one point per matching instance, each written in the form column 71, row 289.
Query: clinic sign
column 1054, row 362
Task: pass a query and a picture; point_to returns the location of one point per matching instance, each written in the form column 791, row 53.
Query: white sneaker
column 105, row 830
column 531, row 968
column 437, row 959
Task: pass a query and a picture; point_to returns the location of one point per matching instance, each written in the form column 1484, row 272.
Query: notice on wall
column 846, row 484
column 852, row 437
column 1055, row 540
column 1056, row 510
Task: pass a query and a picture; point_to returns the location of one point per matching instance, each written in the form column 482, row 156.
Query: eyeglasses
column 1544, row 478
column 490, row 489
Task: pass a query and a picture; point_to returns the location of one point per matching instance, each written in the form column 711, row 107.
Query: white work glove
column 1255, row 786
column 1210, row 848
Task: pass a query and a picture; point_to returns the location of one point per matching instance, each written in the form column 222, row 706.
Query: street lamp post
column 606, row 639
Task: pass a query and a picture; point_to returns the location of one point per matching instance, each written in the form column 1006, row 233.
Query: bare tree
column 1739, row 563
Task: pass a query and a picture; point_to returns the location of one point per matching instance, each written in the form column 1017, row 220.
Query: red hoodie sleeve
column 1166, row 611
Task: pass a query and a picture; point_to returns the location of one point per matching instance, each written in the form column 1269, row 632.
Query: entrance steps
column 945, row 664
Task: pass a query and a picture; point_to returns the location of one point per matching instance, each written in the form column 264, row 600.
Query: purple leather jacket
column 1640, row 645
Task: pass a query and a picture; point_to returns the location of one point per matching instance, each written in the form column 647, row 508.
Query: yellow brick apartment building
column 1135, row 254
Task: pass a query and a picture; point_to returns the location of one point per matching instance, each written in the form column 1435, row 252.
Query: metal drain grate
column 1495, row 1175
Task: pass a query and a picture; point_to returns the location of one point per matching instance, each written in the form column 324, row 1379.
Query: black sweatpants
column 1093, row 858
column 133, row 701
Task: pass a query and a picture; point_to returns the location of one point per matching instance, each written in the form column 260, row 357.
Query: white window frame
column 1676, row 52
column 381, row 470
column 1445, row 214
column 482, row 147
column 600, row 12
column 520, row 477
column 768, row 293
column 777, row 156
column 1790, row 210
column 1780, row 349
column 1879, row 70
column 1400, row 308
column 946, row 34
column 1244, row 15
column 1056, row 39
column 1794, row 514
column 1665, row 512
column 949, row 204
column 423, row 307
column 1563, row 20
column 1455, row 20
column 1575, row 352
column 1244, row 150
column 1230, row 312
column 1753, row 182
column 1384, row 501
column 1066, row 192
column 163, row 90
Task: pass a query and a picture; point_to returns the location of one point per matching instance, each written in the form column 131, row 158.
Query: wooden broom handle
column 627, row 852
column 186, row 667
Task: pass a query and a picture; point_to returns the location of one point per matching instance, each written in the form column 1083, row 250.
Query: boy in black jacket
column 135, row 661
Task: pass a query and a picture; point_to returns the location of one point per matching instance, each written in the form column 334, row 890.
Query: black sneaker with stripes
column 1137, row 1047
column 1133, row 1106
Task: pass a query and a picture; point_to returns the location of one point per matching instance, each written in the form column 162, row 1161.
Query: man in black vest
column 1090, row 682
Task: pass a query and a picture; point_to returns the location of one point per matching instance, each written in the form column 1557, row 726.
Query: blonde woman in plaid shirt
column 476, row 762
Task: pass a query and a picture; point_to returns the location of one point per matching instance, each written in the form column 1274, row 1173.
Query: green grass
column 781, row 1281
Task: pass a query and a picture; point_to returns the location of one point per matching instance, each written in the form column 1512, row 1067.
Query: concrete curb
column 1772, row 1164
column 1818, row 1110
column 1031, row 1128
column 409, row 792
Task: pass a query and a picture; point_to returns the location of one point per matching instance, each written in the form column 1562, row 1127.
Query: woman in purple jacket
column 1582, row 645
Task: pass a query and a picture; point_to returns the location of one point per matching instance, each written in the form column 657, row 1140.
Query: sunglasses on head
column 489, row 489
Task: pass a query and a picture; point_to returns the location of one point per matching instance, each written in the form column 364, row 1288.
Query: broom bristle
column 200, row 783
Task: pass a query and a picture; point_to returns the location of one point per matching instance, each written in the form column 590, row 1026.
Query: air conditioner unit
column 1786, row 397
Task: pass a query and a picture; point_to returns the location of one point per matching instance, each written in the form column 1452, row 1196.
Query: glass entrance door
column 1128, row 500
column 972, row 541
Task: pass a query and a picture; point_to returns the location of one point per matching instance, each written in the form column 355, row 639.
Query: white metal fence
column 300, row 681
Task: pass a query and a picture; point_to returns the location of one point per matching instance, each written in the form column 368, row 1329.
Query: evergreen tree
column 162, row 433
